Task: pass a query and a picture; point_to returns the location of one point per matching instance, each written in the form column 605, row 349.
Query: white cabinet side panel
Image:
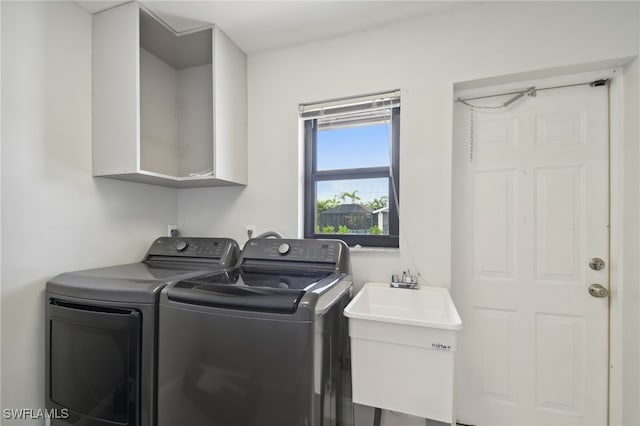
column 115, row 90
column 230, row 109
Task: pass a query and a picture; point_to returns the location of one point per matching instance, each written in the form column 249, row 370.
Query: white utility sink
column 402, row 349
column 423, row 307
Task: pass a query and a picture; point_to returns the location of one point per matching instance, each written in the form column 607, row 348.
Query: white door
column 530, row 211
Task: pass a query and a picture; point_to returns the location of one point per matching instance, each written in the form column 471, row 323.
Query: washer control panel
column 325, row 251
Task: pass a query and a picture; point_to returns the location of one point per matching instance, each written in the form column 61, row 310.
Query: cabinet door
column 116, row 94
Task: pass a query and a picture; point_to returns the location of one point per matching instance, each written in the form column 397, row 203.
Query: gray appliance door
column 223, row 368
column 93, row 362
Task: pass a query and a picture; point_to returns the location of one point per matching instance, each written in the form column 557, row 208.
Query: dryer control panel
column 193, row 248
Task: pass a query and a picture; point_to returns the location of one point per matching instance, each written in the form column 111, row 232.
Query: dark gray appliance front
column 222, row 364
column 101, row 334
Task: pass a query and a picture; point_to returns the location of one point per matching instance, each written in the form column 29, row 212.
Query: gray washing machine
column 101, row 338
column 263, row 344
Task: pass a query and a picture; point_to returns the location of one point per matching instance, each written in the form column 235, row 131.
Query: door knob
column 596, row 290
column 596, row 264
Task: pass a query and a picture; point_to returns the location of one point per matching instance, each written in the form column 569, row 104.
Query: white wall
column 631, row 310
column 629, row 288
column 0, row 210
column 424, row 57
column 55, row 216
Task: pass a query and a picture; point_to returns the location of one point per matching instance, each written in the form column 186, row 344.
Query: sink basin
column 403, row 343
column 424, row 307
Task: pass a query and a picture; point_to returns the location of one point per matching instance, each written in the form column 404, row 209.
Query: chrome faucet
column 408, row 280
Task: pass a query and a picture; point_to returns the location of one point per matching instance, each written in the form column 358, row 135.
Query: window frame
column 312, row 175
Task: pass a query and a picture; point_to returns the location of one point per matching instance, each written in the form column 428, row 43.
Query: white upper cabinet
column 168, row 109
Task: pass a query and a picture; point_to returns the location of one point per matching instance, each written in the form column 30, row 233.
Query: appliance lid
column 169, row 259
column 254, row 290
column 134, row 282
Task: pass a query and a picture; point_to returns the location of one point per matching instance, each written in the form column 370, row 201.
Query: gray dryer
column 101, row 336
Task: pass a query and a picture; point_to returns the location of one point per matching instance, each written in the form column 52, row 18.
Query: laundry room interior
column 515, row 190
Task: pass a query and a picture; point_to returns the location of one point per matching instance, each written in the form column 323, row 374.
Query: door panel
column 530, row 210
column 559, row 225
column 493, row 225
column 495, row 328
column 559, row 363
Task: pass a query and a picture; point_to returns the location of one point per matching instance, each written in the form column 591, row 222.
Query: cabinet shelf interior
column 176, row 100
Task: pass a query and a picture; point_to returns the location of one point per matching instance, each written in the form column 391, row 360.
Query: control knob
column 284, row 248
column 182, row 245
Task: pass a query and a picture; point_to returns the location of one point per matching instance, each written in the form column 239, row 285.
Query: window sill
column 360, row 249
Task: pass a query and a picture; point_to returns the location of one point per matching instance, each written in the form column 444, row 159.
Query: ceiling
column 262, row 25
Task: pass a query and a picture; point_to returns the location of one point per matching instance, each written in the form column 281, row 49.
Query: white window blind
column 358, row 104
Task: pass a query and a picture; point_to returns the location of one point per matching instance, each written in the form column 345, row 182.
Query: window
column 352, row 169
